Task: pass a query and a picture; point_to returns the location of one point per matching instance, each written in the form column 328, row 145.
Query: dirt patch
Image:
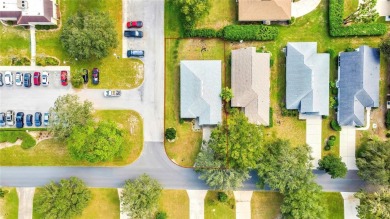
column 134, row 122
column 8, row 144
column 40, row 135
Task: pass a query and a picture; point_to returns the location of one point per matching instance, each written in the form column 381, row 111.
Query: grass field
column 266, row 205
column 213, row 209
column 9, row 204
column 175, row 203
column 53, row 153
column 221, row 13
column 334, row 205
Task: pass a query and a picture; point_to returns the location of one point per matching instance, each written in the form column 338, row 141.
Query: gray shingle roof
column 358, row 85
column 307, row 79
column 200, row 87
column 251, row 84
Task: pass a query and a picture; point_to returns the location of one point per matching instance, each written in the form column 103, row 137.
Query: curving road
column 149, row 101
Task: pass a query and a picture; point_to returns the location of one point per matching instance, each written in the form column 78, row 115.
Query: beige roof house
column 264, row 10
column 251, row 84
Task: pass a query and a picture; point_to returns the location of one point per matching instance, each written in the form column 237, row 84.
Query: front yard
column 214, row 209
column 175, row 203
column 9, row 204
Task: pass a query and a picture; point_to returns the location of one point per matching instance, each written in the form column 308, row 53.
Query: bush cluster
column 203, row 33
column 250, row 32
column 46, row 61
column 46, row 27
column 387, row 122
column 161, row 215
column 20, row 61
column 330, row 142
column 337, row 28
column 222, row 197
column 335, row 126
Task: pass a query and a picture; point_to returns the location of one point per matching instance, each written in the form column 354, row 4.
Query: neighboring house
column 358, row 85
column 264, row 10
column 200, row 87
column 383, row 8
column 251, row 84
column 307, row 79
column 29, row 12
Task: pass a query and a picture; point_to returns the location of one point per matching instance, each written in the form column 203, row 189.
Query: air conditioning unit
column 22, row 4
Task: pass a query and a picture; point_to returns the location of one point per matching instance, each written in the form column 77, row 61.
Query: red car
column 134, row 24
column 37, row 78
column 64, row 78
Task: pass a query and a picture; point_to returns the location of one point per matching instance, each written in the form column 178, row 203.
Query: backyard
column 9, row 204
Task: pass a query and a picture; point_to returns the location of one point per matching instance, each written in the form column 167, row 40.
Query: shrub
column 330, row 143
column 324, row 116
column 335, row 126
column 161, row 215
column 327, row 148
column 204, row 33
column 388, row 135
column 46, row 61
column 77, row 78
column 20, row 61
column 12, row 136
column 332, row 137
column 181, row 121
column 332, row 53
column 222, row 197
column 271, row 62
column 250, row 32
column 271, row 122
column 46, row 27
column 170, row 134
column 387, row 123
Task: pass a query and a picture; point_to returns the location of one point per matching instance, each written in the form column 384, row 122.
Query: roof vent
column 22, row 4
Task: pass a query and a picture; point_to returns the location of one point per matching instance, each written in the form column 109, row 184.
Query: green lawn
column 15, row 42
column 9, row 204
column 53, row 153
column 172, row 25
column 222, row 13
column 266, row 205
column 175, row 203
column 333, row 204
column 215, row 209
column 350, row 6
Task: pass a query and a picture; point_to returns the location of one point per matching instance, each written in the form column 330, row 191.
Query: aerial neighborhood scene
column 194, row 109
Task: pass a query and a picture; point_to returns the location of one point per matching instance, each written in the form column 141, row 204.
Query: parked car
column 85, row 75
column 64, row 78
column 18, row 79
column 37, row 78
column 95, row 76
column 134, row 24
column 9, row 117
column 8, row 79
column 2, row 119
column 27, row 80
column 46, row 117
column 19, row 120
column 133, row 33
column 45, row 78
column 1, row 79
column 135, row 53
column 38, row 119
column 29, row 119
column 112, row 93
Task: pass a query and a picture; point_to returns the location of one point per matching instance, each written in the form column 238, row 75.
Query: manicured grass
column 215, row 209
column 15, row 42
column 12, row 136
column 53, row 153
column 172, row 25
column 327, row 131
column 175, row 203
column 350, row 6
column 9, row 204
column 266, row 205
column 221, row 13
column 333, row 204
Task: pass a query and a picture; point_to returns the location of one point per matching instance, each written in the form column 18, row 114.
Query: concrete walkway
column 313, row 137
column 122, row 215
column 196, row 203
column 26, row 196
column 243, row 204
column 33, row 45
column 348, row 146
column 368, row 120
column 350, row 204
column 298, row 9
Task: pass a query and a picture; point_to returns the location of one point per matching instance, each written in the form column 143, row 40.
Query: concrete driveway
column 243, row 204
column 348, row 146
column 350, row 204
column 196, row 203
column 26, row 196
column 313, row 137
column 302, row 7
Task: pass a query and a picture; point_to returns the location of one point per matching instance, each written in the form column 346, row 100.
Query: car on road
column 46, row 117
column 64, row 78
column 37, row 78
column 133, row 33
column 38, row 119
column 1, row 79
column 85, row 75
column 95, row 76
column 18, row 79
column 19, row 120
column 2, row 119
column 9, row 117
column 27, row 80
column 135, row 53
column 134, row 24
column 29, row 119
column 8, row 78
column 112, row 93
column 45, row 78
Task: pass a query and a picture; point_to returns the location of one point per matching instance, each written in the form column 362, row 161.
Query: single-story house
column 307, row 79
column 358, row 85
column 251, row 84
column 200, row 87
column 264, row 10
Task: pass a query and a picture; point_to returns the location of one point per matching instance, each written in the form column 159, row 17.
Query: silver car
column 10, row 117
column 18, row 79
column 45, row 78
column 8, row 78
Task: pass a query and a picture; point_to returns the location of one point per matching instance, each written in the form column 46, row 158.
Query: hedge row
column 338, row 29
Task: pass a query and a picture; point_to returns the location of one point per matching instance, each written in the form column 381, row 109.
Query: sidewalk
column 350, row 204
column 243, row 204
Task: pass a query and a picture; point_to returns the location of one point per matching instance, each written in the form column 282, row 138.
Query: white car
column 45, row 78
column 8, row 79
column 18, row 79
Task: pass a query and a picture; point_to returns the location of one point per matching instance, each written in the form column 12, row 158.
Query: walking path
column 196, row 203
column 26, row 197
column 243, row 204
column 313, row 137
column 33, row 45
column 350, row 204
column 302, row 7
column 348, row 146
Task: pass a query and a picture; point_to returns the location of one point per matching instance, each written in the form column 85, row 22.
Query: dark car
column 64, row 78
column 95, row 76
column 2, row 119
column 85, row 75
column 29, row 119
column 134, row 24
column 27, row 80
column 135, row 53
column 38, row 119
column 37, row 78
column 133, row 33
column 19, row 120
column 1, row 79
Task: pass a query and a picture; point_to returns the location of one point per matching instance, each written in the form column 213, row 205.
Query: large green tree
column 373, row 162
column 101, row 143
column 385, row 48
column 192, row 11
column 374, row 204
column 89, row 35
column 365, row 13
column 333, row 165
column 68, row 112
column 65, row 199
column 140, row 197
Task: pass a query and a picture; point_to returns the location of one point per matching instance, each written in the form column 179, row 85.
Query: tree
column 365, row 13
column 385, row 49
column 192, row 10
column 77, row 78
column 226, row 94
column 103, row 143
column 140, row 197
column 65, row 199
column 373, row 162
column 170, row 134
column 374, row 205
column 89, row 35
column 67, row 113
column 334, row 166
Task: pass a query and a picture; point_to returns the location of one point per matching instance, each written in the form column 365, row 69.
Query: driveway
column 196, row 203
column 313, row 137
column 243, row 204
column 26, row 196
column 350, row 204
column 348, row 146
column 303, row 7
